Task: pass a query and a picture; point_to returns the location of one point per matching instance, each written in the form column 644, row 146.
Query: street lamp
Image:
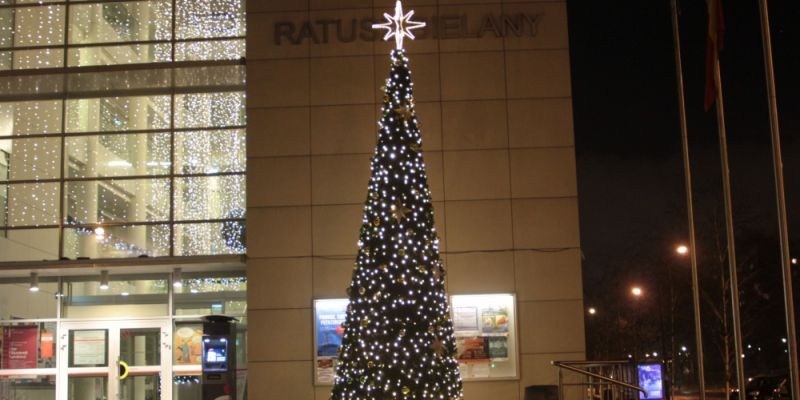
column 682, row 250
column 592, row 311
column 636, row 291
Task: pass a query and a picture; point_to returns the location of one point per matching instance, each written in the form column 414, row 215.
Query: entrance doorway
column 115, row 360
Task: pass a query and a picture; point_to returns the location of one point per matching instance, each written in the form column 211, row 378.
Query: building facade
column 492, row 91
column 158, row 158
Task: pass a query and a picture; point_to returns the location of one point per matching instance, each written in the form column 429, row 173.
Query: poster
column 47, row 340
column 651, row 380
column 471, row 348
column 89, row 348
column 498, row 347
column 188, row 344
column 495, row 320
column 465, row 319
column 330, row 315
column 325, row 371
column 20, row 345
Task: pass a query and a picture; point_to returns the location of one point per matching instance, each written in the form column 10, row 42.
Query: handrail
column 604, row 363
column 598, row 376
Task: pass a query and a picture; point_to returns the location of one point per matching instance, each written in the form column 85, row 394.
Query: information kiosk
column 219, row 358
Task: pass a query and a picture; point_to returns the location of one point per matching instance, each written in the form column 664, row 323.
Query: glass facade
column 152, row 322
column 121, row 160
column 51, row 34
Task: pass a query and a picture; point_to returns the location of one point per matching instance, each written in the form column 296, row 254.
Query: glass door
column 115, row 360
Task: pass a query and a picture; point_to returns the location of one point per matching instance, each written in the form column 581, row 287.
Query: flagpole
column 780, row 195
column 687, row 171
column 731, row 237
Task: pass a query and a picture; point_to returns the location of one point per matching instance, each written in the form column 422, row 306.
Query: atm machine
column 219, row 358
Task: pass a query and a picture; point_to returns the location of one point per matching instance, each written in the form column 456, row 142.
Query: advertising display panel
column 484, row 327
column 485, row 331
column 651, row 380
column 329, row 314
column 20, row 345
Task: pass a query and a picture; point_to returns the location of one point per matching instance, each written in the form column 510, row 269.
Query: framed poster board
column 89, row 348
column 484, row 328
column 651, row 379
column 329, row 314
column 486, row 336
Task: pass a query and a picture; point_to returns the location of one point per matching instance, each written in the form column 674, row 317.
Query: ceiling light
column 177, row 278
column 34, row 282
column 103, row 280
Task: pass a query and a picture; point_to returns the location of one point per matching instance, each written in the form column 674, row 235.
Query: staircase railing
column 598, row 380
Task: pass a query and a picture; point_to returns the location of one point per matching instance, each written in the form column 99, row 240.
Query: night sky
column 630, row 171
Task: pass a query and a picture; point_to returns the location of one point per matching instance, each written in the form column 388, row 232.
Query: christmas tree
column 398, row 341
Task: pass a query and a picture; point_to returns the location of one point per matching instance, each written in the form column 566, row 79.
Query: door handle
column 123, row 370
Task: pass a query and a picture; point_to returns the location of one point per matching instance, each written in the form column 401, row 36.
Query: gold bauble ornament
column 376, row 222
column 401, row 252
column 362, row 290
column 405, row 390
column 364, row 322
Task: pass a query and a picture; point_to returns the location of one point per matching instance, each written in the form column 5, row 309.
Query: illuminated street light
column 636, row 291
column 794, row 261
column 682, row 250
column 684, row 349
column 592, row 311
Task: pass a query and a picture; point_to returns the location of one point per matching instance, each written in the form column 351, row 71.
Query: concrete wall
column 496, row 118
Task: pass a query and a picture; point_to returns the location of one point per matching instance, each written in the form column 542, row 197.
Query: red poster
column 47, row 340
column 19, row 347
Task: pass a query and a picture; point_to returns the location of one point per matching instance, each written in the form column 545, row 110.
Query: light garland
column 44, row 25
column 398, row 341
column 197, row 152
column 209, row 285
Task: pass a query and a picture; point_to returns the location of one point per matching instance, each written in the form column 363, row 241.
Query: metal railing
column 597, row 380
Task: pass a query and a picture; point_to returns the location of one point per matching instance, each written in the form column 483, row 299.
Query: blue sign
column 651, row 380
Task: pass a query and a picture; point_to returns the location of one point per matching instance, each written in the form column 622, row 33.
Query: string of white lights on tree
column 398, row 340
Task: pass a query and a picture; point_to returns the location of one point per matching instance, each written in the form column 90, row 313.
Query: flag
column 714, row 43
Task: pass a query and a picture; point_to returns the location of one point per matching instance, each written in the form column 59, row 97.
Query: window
column 128, row 32
column 116, row 163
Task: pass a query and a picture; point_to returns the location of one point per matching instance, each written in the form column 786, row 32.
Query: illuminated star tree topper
column 398, row 341
column 399, row 25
